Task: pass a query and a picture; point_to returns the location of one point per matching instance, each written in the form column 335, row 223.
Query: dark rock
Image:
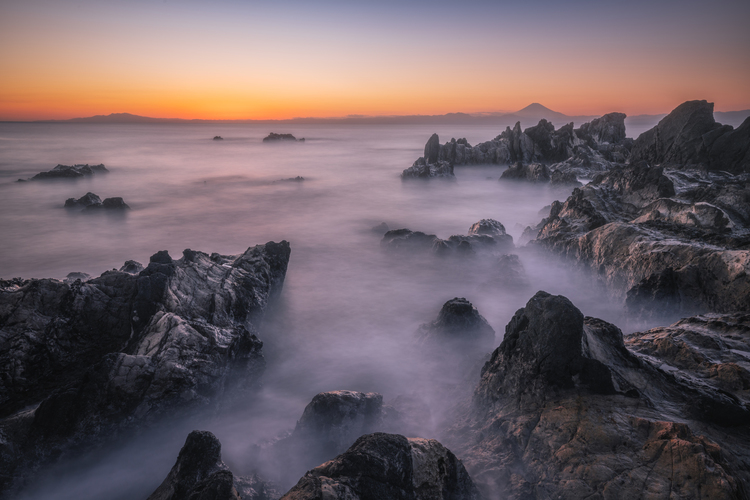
column 72, row 277
column 125, row 350
column 610, row 128
column 406, row 239
column 564, row 178
column 71, row 172
column 273, row 137
column 131, row 267
column 83, row 201
column 380, row 466
column 218, row 138
column 199, row 473
column 432, row 149
column 730, row 151
column 534, row 172
column 109, row 204
column 458, row 326
column 422, row 170
column 509, row 272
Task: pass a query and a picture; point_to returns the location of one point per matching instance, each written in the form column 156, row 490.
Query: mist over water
column 349, row 310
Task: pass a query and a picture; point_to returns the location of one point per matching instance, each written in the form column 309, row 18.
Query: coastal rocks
column 92, row 359
column 274, row 137
column 388, row 466
column 423, row 170
column 432, row 149
column 408, row 241
column 198, row 473
column 131, row 267
column 609, row 129
column 533, row 172
column 565, row 410
column 84, row 201
column 218, row 138
column 633, row 224
column 509, row 272
column 459, row 326
column 70, row 172
column 494, row 229
column 690, row 137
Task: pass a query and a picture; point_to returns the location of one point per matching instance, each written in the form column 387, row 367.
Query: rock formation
column 458, row 327
column 85, row 361
column 83, row 202
column 379, row 466
column 70, row 172
column 531, row 172
column 274, row 137
column 564, row 409
column 408, row 241
column 689, row 136
column 423, row 170
column 218, row 138
column 91, row 202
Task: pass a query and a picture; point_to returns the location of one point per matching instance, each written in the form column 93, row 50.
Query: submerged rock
column 83, row 202
column 565, row 410
column 422, row 170
column 408, row 241
column 458, row 326
column 71, row 172
column 93, row 359
column 388, row 466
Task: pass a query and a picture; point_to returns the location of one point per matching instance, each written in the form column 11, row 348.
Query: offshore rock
column 408, row 241
column 379, row 466
column 116, row 203
column 565, row 410
column 71, row 172
column 494, row 229
column 424, row 170
column 199, row 473
column 459, row 326
column 83, row 202
column 432, row 149
column 274, row 137
column 83, row 362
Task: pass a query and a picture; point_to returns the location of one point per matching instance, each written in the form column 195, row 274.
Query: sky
column 242, row 59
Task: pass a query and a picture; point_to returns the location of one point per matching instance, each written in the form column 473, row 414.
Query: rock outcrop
column 458, row 327
column 690, row 137
column 530, row 172
column 408, row 241
column 84, row 361
column 70, row 172
column 274, row 137
column 423, row 170
column 564, row 409
column 651, row 232
column 388, row 466
column 83, row 202
column 91, row 202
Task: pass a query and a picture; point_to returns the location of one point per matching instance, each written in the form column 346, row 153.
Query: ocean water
column 349, row 310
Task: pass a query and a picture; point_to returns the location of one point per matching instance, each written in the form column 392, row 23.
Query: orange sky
column 235, row 60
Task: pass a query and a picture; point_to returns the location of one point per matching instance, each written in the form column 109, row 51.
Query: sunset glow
column 263, row 60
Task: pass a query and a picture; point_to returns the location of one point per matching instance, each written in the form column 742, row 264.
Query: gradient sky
column 232, row 59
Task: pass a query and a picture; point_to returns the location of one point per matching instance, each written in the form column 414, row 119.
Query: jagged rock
column 92, row 359
column 489, row 227
column 729, row 150
column 71, row 172
column 633, row 223
column 564, row 178
column 131, row 267
column 534, row 172
column 388, row 466
column 432, row 149
column 83, row 201
column 72, row 277
column 422, row 170
column 406, row 240
column 199, row 473
column 108, row 204
column 610, row 128
column 274, row 137
column 565, row 410
column 458, row 326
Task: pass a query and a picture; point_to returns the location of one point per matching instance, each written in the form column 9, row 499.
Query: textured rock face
column 610, row 129
column 534, row 172
column 406, row 241
column 634, row 224
column 422, row 170
column 565, row 410
column 83, row 201
column 432, row 149
column 494, row 229
column 689, row 135
column 198, row 473
column 71, row 172
column 120, row 350
column 458, row 326
column 381, row 466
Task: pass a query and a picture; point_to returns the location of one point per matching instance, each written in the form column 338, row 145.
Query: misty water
column 349, row 310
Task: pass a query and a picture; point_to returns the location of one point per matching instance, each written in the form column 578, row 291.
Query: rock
column 218, row 138
column 74, row 276
column 199, row 473
column 489, row 227
column 388, row 466
column 83, row 202
column 381, row 228
column 96, row 358
column 564, row 178
column 294, row 179
column 71, row 172
column 509, row 272
column 432, row 149
column 407, row 241
column 131, row 267
column 273, row 137
column 564, row 409
column 108, row 204
column 610, row 128
column 459, row 326
column 422, row 170
column 534, row 172
column 730, row 150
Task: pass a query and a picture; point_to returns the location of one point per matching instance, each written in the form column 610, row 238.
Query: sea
column 349, row 309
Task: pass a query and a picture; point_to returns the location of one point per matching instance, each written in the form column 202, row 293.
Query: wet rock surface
column 383, row 465
column 458, row 326
column 566, row 409
column 487, row 235
column 83, row 201
column 84, row 361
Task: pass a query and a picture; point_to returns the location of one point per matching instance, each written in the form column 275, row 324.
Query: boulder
column 199, row 473
column 108, row 204
column 83, row 202
column 459, row 326
column 379, row 466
